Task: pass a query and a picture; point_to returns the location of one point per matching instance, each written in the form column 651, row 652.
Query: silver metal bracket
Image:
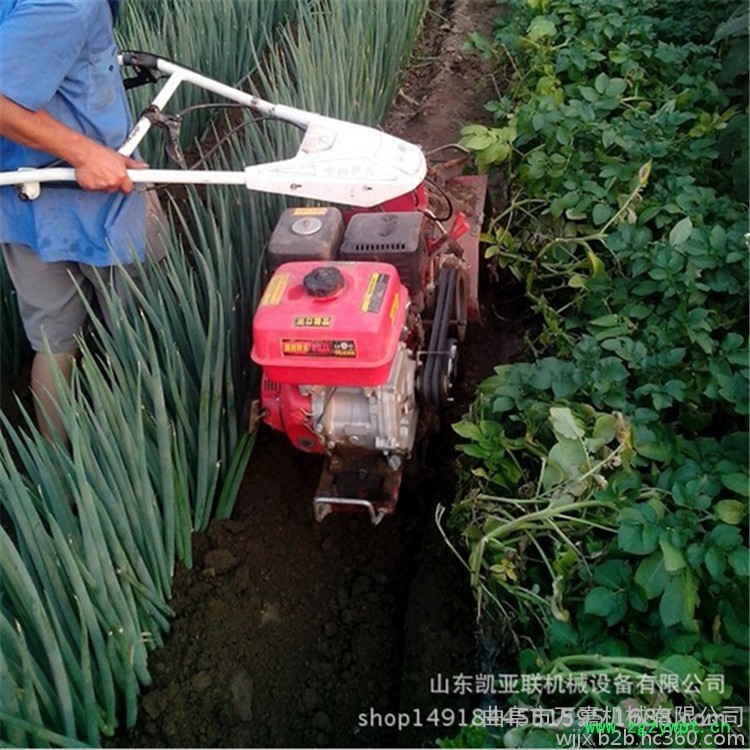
column 324, row 506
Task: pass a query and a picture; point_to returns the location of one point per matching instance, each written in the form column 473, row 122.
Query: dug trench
column 289, row 633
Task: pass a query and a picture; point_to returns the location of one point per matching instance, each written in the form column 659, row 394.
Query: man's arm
column 97, row 167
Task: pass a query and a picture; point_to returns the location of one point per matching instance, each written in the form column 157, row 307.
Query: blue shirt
column 60, row 56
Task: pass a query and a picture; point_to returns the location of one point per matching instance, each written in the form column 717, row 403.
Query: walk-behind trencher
column 359, row 326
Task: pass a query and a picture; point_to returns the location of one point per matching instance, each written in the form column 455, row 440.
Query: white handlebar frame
column 337, row 161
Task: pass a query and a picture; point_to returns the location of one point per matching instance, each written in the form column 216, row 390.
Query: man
column 62, row 98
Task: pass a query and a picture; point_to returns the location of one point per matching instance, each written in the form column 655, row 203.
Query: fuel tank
column 330, row 323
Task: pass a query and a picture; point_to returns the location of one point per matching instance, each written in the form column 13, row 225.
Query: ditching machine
column 370, row 288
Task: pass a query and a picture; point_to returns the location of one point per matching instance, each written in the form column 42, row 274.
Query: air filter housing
column 396, row 238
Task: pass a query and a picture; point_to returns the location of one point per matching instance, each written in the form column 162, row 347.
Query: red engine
column 324, row 327
column 356, row 330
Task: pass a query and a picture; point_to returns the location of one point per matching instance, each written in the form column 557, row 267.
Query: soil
column 290, row 633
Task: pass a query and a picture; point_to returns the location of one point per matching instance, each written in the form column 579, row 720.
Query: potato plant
column 91, row 533
column 622, row 221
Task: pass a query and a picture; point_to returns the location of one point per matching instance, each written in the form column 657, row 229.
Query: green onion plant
column 94, row 524
column 220, row 38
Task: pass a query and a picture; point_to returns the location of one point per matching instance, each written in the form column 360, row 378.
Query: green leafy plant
column 558, row 466
column 153, row 413
column 621, row 223
column 603, row 544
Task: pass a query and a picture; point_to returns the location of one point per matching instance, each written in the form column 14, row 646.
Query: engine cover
column 330, row 323
column 382, row 417
column 397, row 238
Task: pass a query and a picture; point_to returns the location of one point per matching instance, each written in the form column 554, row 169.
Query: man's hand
column 102, row 168
column 97, row 167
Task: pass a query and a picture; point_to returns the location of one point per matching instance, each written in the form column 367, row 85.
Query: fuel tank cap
column 323, row 281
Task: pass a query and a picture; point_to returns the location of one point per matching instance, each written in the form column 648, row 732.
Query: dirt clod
column 202, row 681
column 241, row 690
column 154, row 703
column 221, row 561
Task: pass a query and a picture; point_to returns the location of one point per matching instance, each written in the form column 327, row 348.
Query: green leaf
column 730, row 511
column 473, row 129
column 605, row 427
column 638, row 532
column 600, row 601
column 496, row 153
column 605, row 430
column 676, row 389
column 477, row 142
column 710, row 694
column 679, row 599
column 503, row 403
column 535, row 738
column 589, row 94
column 562, row 634
column 673, row 558
column 682, row 665
column 605, row 321
column 637, row 599
column 577, row 282
column 563, row 136
column 718, row 237
column 601, row 213
column 739, row 559
column 565, row 424
column 726, row 537
column 735, row 26
column 540, row 27
column 651, row 575
column 736, row 629
column 615, row 87
column 681, row 231
column 608, row 137
column 564, row 461
column 612, row 370
column 737, row 483
column 473, row 450
column 613, row 574
column 716, row 563
column 601, row 82
column 466, row 429
column 652, row 444
column 538, row 121
column 597, row 266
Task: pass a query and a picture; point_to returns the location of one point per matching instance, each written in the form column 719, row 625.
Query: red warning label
column 318, row 348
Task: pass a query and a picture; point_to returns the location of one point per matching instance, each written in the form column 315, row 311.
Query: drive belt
column 434, row 378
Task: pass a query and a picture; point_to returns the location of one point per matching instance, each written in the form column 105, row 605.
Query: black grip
column 141, row 60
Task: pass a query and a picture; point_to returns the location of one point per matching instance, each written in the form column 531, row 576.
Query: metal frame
column 323, row 506
column 337, row 161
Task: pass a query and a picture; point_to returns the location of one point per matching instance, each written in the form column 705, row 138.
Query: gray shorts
column 49, row 300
